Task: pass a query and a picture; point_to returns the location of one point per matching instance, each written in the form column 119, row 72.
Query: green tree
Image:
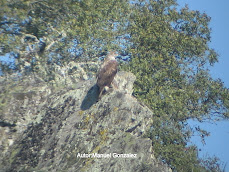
column 170, row 57
column 167, row 50
column 38, row 34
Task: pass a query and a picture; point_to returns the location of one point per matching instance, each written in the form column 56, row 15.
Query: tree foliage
column 39, row 34
column 167, row 50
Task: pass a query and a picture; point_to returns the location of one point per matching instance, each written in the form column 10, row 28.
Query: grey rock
column 65, row 127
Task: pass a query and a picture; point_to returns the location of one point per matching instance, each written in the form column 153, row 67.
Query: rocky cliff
column 64, row 127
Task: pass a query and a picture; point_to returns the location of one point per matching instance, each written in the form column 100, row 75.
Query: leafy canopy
column 166, row 48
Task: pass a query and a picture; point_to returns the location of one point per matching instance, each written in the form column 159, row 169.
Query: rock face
column 66, row 128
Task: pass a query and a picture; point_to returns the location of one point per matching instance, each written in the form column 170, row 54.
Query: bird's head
column 112, row 55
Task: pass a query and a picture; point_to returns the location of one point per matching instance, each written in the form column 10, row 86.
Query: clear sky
column 218, row 142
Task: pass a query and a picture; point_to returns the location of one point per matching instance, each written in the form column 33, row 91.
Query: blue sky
column 217, row 143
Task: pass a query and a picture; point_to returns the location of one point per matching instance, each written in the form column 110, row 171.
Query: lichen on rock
column 64, row 127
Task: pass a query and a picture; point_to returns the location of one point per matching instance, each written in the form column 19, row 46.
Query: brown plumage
column 107, row 72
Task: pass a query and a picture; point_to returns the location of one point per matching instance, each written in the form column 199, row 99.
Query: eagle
column 107, row 72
